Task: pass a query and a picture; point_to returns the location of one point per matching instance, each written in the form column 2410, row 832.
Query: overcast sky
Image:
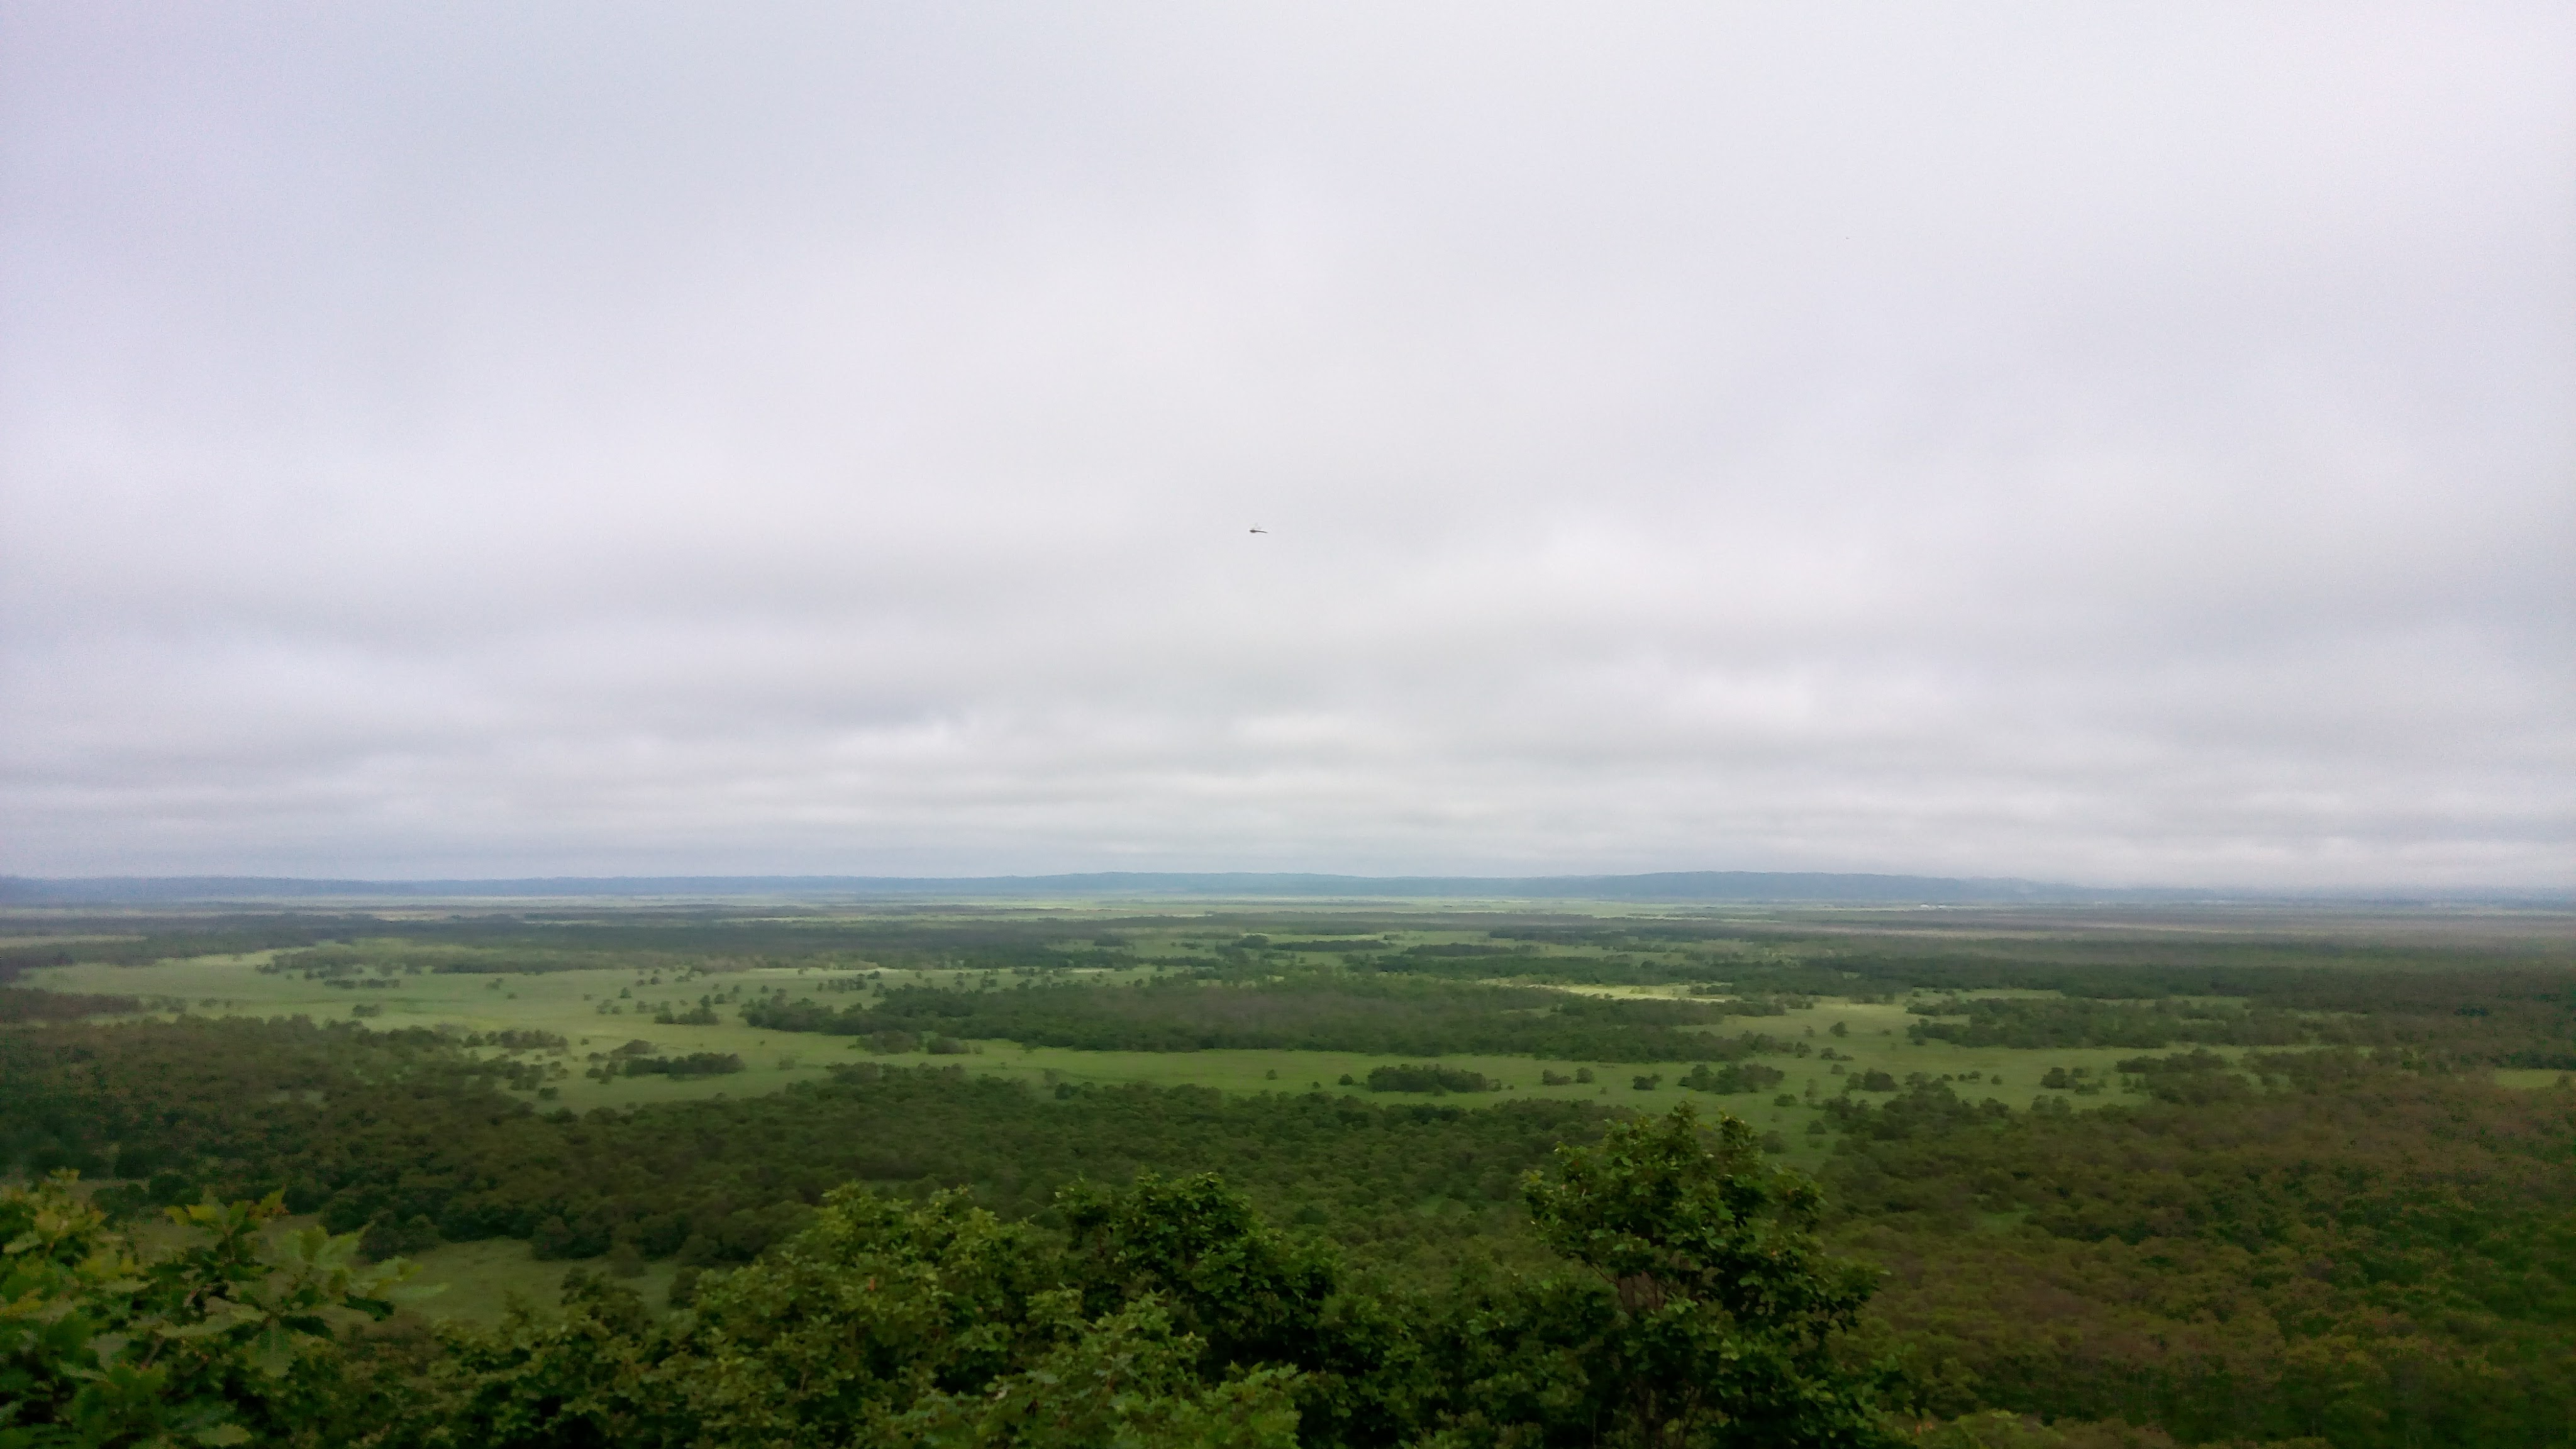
column 2111, row 443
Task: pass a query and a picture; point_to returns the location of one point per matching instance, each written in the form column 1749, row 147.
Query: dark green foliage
column 121, row 945
column 1251, row 1293
column 1734, row 1077
column 2500, row 1006
column 386, row 1238
column 362, row 1126
column 1923, row 1107
column 885, row 1323
column 2196, row 1078
column 1380, row 1016
column 84, row 1097
column 1168, row 1314
column 20, row 1005
column 694, row 1064
column 1429, row 1079
column 516, row 1040
column 219, row 1340
column 345, row 946
column 2376, row 1256
column 2037, row 1023
column 652, row 942
column 1710, row 1318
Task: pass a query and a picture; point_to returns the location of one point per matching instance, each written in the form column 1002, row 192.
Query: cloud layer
column 2131, row 444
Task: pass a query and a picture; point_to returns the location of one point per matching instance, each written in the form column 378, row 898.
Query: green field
column 569, row 1003
column 478, row 1282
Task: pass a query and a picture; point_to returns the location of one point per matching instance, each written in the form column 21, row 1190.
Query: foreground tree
column 225, row 1339
column 1711, row 1315
column 884, row 1323
column 1166, row 1316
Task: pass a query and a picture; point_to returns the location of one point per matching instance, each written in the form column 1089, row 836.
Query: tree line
column 1305, row 1012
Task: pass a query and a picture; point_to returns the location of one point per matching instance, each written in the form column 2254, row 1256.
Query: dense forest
column 2296, row 1211
column 372, row 1127
column 2349, row 1250
column 1689, row 1301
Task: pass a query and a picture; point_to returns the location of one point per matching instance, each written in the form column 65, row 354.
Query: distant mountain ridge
column 1712, row 887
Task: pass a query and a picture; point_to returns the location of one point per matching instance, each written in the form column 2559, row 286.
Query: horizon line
column 1711, row 886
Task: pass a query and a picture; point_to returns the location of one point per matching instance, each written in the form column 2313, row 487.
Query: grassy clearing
column 477, row 1282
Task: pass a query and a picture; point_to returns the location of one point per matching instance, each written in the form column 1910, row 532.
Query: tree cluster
column 1376, row 1016
column 1429, row 1078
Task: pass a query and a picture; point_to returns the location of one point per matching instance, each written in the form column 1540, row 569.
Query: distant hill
column 1711, row 887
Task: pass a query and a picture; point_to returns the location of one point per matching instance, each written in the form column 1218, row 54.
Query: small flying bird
column 1261, row 530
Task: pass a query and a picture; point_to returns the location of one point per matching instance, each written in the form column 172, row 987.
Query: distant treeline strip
column 1371, row 1015
column 2509, row 1019
column 227, row 937
column 20, row 1005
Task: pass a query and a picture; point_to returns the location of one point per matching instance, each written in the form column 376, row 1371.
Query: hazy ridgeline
column 2250, row 1183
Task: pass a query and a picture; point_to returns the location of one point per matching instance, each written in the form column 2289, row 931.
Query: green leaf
column 273, row 1353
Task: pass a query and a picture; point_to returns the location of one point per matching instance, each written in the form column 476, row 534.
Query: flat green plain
column 570, row 1004
column 599, row 1010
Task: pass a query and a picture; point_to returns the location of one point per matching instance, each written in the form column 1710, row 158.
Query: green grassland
column 586, row 1008
column 566, row 1003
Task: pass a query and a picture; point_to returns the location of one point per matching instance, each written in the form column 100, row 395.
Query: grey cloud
column 2129, row 445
